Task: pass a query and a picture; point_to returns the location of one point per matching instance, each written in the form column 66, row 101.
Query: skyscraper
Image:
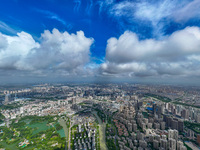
column 7, row 99
column 73, row 100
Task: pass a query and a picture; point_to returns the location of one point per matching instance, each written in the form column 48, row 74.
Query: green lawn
column 61, row 132
column 39, row 127
column 9, row 146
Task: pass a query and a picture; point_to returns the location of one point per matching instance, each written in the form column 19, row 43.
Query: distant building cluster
column 144, row 117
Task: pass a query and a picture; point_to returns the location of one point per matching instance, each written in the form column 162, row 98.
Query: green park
column 35, row 132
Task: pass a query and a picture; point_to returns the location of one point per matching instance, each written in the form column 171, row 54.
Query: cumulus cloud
column 15, row 48
column 56, row 52
column 176, row 54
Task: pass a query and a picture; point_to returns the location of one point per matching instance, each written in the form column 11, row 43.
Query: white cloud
column 51, row 15
column 5, row 28
column 155, row 12
column 77, row 5
column 188, row 11
column 149, row 13
column 156, row 15
column 15, row 48
column 177, row 54
column 143, row 10
column 56, row 51
column 123, row 9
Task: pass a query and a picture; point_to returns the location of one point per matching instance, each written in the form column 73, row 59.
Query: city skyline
column 100, row 117
column 100, row 41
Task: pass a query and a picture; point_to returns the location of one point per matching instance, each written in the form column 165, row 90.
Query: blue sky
column 128, row 39
column 65, row 15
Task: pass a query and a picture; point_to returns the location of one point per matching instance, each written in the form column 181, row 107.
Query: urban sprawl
column 100, row 117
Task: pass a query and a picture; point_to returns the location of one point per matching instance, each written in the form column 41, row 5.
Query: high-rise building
column 163, row 144
column 172, row 144
column 157, row 137
column 143, row 144
column 149, row 125
column 121, row 108
column 154, row 108
column 130, row 127
column 174, row 124
column 151, row 138
column 190, row 134
column 179, row 145
column 183, row 148
column 180, row 125
column 176, row 135
column 168, row 121
column 155, row 144
column 134, row 127
column 7, row 99
column 198, row 139
column 58, row 102
column 198, row 118
column 21, row 110
column 170, row 133
column 162, row 109
column 73, row 100
column 79, row 128
column 185, row 114
column 173, row 134
column 162, row 125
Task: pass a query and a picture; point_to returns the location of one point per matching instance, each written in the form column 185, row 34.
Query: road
column 192, row 146
column 63, row 124
column 102, row 131
column 69, row 142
